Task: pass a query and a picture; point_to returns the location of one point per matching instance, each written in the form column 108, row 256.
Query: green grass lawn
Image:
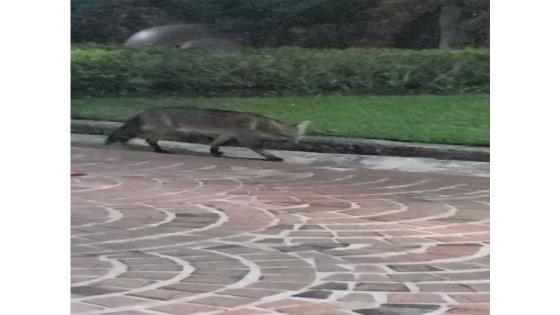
column 450, row 119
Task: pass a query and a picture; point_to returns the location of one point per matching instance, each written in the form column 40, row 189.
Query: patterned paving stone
column 222, row 301
column 399, row 309
column 408, row 268
column 250, row 293
column 128, row 313
column 116, row 301
column 415, row 277
column 332, row 286
column 468, row 311
column 91, row 291
column 161, row 294
column 244, row 311
column 184, row 308
column 315, row 294
column 382, row 287
column 358, row 297
column 374, row 278
column 445, row 287
column 80, row 307
column 471, row 298
column 480, row 287
column 174, row 234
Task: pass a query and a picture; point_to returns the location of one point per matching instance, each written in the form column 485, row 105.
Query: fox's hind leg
column 154, row 144
column 267, row 155
column 130, row 129
column 250, row 142
column 215, row 145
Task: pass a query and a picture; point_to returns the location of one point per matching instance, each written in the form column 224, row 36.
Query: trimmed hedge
column 100, row 71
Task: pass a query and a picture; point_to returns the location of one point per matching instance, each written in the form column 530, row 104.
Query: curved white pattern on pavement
column 170, row 234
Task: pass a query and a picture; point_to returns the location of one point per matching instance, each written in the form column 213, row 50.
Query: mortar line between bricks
column 444, row 260
column 404, row 192
column 222, row 218
column 451, row 301
column 254, row 200
column 274, row 220
column 392, row 272
column 186, row 271
column 370, row 182
column 194, row 199
column 199, row 185
column 287, row 293
column 169, row 216
column 252, row 276
column 114, row 216
column 117, row 184
column 442, row 310
column 117, row 269
column 451, row 212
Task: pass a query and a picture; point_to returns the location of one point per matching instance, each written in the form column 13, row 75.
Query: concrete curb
column 329, row 144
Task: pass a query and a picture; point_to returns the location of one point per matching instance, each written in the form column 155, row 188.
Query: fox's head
column 290, row 132
column 110, row 139
column 118, row 135
column 301, row 128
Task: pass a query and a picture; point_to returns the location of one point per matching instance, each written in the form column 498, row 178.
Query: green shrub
column 116, row 71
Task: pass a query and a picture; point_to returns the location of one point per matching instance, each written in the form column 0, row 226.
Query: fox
column 172, row 123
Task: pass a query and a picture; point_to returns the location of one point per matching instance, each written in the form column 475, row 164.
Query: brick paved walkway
column 171, row 234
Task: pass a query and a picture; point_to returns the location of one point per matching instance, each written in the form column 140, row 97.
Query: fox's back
column 193, row 115
column 178, row 123
column 201, row 120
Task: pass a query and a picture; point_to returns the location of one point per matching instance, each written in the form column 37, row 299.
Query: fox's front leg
column 215, row 145
column 249, row 141
column 154, row 144
column 267, row 155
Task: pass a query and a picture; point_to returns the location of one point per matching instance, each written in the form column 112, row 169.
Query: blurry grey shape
column 211, row 44
column 169, row 35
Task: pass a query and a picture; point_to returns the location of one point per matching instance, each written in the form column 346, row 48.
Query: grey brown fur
column 173, row 123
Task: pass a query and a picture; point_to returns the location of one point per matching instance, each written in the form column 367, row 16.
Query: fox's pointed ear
column 302, row 127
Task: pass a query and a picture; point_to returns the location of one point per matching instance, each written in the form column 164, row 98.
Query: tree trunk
column 452, row 36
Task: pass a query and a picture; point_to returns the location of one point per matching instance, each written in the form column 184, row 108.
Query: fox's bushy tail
column 129, row 130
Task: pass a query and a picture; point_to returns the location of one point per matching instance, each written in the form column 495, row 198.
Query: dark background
column 412, row 24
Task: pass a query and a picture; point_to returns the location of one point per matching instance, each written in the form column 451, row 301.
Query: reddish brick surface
column 244, row 311
column 181, row 309
column 411, row 298
column 485, row 310
column 222, row 301
column 171, row 234
column 471, row 298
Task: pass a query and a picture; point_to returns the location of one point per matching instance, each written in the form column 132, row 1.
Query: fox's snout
column 301, row 128
column 110, row 139
column 118, row 135
column 129, row 130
